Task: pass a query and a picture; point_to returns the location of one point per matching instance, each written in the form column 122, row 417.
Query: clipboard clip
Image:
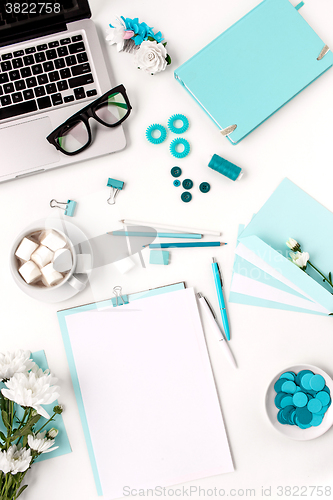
column 68, row 207
column 323, row 52
column 228, row 130
column 123, row 299
column 115, row 186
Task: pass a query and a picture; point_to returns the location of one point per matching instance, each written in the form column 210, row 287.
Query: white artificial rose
column 151, row 57
column 300, row 259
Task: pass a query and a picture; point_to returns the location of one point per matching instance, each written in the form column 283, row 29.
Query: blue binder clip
column 69, row 207
column 123, row 299
column 115, row 186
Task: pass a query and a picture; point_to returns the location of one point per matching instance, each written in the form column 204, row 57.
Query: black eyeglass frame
column 83, row 116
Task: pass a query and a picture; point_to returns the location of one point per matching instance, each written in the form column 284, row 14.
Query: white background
column 296, row 142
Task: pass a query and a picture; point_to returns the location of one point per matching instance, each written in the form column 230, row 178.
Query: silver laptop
column 51, row 66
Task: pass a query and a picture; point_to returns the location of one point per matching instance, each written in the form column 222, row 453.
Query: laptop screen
column 24, row 19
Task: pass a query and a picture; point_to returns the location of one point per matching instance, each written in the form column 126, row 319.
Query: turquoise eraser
column 159, row 257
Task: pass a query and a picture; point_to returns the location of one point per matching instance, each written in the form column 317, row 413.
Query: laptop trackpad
column 24, row 147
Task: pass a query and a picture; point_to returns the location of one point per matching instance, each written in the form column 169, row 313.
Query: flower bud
column 58, row 409
column 293, row 245
column 52, row 433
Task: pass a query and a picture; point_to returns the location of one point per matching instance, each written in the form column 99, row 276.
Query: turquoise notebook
column 255, row 67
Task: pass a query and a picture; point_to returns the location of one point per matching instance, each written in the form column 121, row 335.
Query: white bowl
column 293, row 431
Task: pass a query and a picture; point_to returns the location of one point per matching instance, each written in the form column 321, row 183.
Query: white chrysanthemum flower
column 32, row 389
column 117, row 34
column 293, row 245
column 300, row 259
column 40, row 443
column 15, row 362
column 15, row 459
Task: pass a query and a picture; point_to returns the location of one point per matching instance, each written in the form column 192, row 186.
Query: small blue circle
column 323, row 397
column 177, row 142
column 317, row 383
column 151, row 129
column 304, row 416
column 314, row 405
column 178, row 130
column 176, row 183
column 289, row 387
column 286, row 401
column 186, row 196
column 305, row 381
column 300, row 399
column 288, row 375
column 316, row 420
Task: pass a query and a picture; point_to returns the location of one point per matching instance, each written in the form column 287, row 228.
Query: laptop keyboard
column 44, row 76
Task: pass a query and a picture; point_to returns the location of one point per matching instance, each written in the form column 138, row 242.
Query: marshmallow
column 25, row 249
column 62, row 261
column 124, row 265
column 30, row 272
column 42, row 256
column 53, row 241
column 51, row 276
column 83, row 263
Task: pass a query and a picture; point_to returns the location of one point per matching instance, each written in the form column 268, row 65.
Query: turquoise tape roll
column 225, row 167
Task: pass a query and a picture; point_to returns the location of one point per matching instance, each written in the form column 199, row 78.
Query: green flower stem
column 321, row 274
column 49, row 420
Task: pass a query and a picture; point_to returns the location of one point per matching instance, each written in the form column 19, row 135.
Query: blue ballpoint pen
column 219, row 291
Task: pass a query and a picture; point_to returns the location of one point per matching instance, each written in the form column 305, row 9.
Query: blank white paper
column 149, row 394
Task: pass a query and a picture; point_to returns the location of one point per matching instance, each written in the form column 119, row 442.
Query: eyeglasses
column 74, row 135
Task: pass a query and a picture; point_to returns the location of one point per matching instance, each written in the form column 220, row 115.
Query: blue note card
column 255, row 67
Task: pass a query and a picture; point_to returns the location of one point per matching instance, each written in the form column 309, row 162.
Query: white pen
column 212, row 319
column 169, row 227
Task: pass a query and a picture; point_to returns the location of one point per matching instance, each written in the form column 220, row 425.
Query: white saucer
column 292, row 431
column 81, row 245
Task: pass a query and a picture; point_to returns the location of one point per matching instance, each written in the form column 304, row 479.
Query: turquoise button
column 314, row 405
column 327, row 389
column 323, row 397
column 187, row 184
column 317, row 383
column 186, row 197
column 305, row 381
column 300, row 399
column 289, row 387
column 176, row 172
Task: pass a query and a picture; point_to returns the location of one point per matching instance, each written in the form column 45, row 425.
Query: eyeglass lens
column 110, row 112
column 113, row 109
column 74, row 138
